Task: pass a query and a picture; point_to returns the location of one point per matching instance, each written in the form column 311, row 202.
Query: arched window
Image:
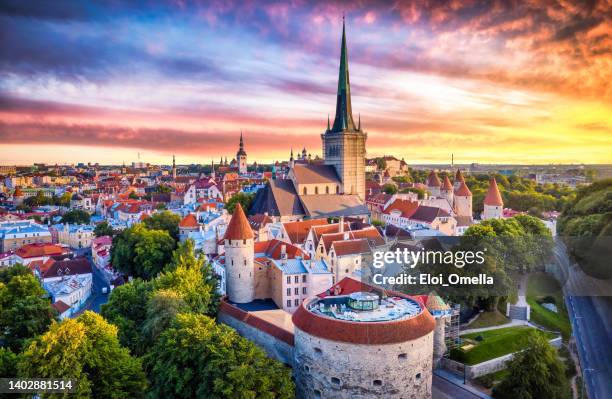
column 305, row 191
column 326, row 189
column 316, row 189
column 337, row 189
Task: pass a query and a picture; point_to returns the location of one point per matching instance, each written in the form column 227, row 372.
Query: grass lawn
column 495, row 343
column 489, row 319
column 541, row 285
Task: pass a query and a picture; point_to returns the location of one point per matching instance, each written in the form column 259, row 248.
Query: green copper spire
column 344, row 112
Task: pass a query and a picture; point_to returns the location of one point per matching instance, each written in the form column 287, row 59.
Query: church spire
column 344, row 112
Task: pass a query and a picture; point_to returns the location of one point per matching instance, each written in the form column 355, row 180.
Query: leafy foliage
column 534, row 373
column 196, row 357
column 244, row 199
column 76, row 216
column 166, row 221
column 141, row 252
column 586, row 227
column 103, row 229
column 25, row 310
column 389, row 188
column 86, row 349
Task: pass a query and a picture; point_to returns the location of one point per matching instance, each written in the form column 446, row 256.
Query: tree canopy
column 85, row 349
column 141, row 252
column 103, row 229
column 195, row 357
column 244, row 199
column 76, row 216
column 166, row 221
column 25, row 310
column 535, row 372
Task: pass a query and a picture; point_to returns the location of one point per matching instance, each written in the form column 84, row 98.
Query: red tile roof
column 40, row 249
column 433, row 180
column 406, row 207
column 273, row 249
column 447, row 184
column 189, row 221
column 459, row 176
column 60, row 306
column 463, row 190
column 351, row 247
column 371, row 333
column 298, row 231
column 67, row 268
column 493, row 197
column 238, row 228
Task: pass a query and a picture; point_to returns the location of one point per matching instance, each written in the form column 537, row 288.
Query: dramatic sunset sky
column 505, row 82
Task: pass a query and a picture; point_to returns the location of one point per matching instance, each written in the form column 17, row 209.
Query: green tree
column 25, row 310
column 389, row 188
column 197, row 358
column 381, row 164
column 104, row 229
column 245, row 201
column 76, row 216
column 133, row 196
column 127, row 309
column 166, row 220
column 85, row 349
column 64, row 200
column 535, row 372
column 140, row 252
column 419, row 191
column 8, row 363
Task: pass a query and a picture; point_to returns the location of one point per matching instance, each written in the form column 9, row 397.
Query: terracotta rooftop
column 406, row 207
column 60, row 306
column 40, row 249
column 493, row 197
column 370, row 333
column 447, row 184
column 67, row 268
column 273, row 249
column 238, row 228
column 463, row 190
column 433, row 180
column 459, row 176
column 189, row 221
column 298, row 231
column 351, row 247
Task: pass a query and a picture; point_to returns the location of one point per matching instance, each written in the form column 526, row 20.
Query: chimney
column 341, row 224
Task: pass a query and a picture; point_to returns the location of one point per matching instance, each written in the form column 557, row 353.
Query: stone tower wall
column 330, row 369
column 439, row 345
column 463, row 205
column 492, row 212
column 240, row 272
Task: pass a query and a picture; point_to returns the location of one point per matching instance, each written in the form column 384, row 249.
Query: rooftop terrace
column 365, row 307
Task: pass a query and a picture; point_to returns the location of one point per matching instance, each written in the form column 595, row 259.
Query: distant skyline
column 491, row 83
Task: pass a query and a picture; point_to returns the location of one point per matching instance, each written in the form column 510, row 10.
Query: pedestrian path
column 458, row 381
column 513, row 323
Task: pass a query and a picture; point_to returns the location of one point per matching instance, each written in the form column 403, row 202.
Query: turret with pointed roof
column 238, row 228
column 344, row 110
column 493, row 203
column 241, row 156
column 239, row 258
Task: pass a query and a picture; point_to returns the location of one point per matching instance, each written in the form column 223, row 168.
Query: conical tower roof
column 433, row 180
column 238, row 228
column 459, row 176
column 435, row 303
column 463, row 190
column 493, row 197
column 447, row 186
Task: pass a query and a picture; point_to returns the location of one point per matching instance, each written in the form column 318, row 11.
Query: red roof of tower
column 447, row 184
column 459, row 176
column 238, row 228
column 463, row 190
column 433, row 180
column 493, row 197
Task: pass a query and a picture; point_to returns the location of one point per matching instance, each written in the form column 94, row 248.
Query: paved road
column 97, row 298
column 590, row 318
column 444, row 389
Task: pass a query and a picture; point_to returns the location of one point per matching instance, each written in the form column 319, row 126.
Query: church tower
column 173, row 167
column 241, row 157
column 344, row 142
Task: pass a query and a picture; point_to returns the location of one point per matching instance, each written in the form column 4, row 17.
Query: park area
column 486, row 345
column 548, row 310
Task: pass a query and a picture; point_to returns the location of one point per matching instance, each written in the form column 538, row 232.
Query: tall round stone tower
column 463, row 200
column 446, row 191
column 493, row 203
column 441, row 312
column 239, row 258
column 362, row 345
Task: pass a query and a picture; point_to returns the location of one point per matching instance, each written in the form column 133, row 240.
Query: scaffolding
column 452, row 327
